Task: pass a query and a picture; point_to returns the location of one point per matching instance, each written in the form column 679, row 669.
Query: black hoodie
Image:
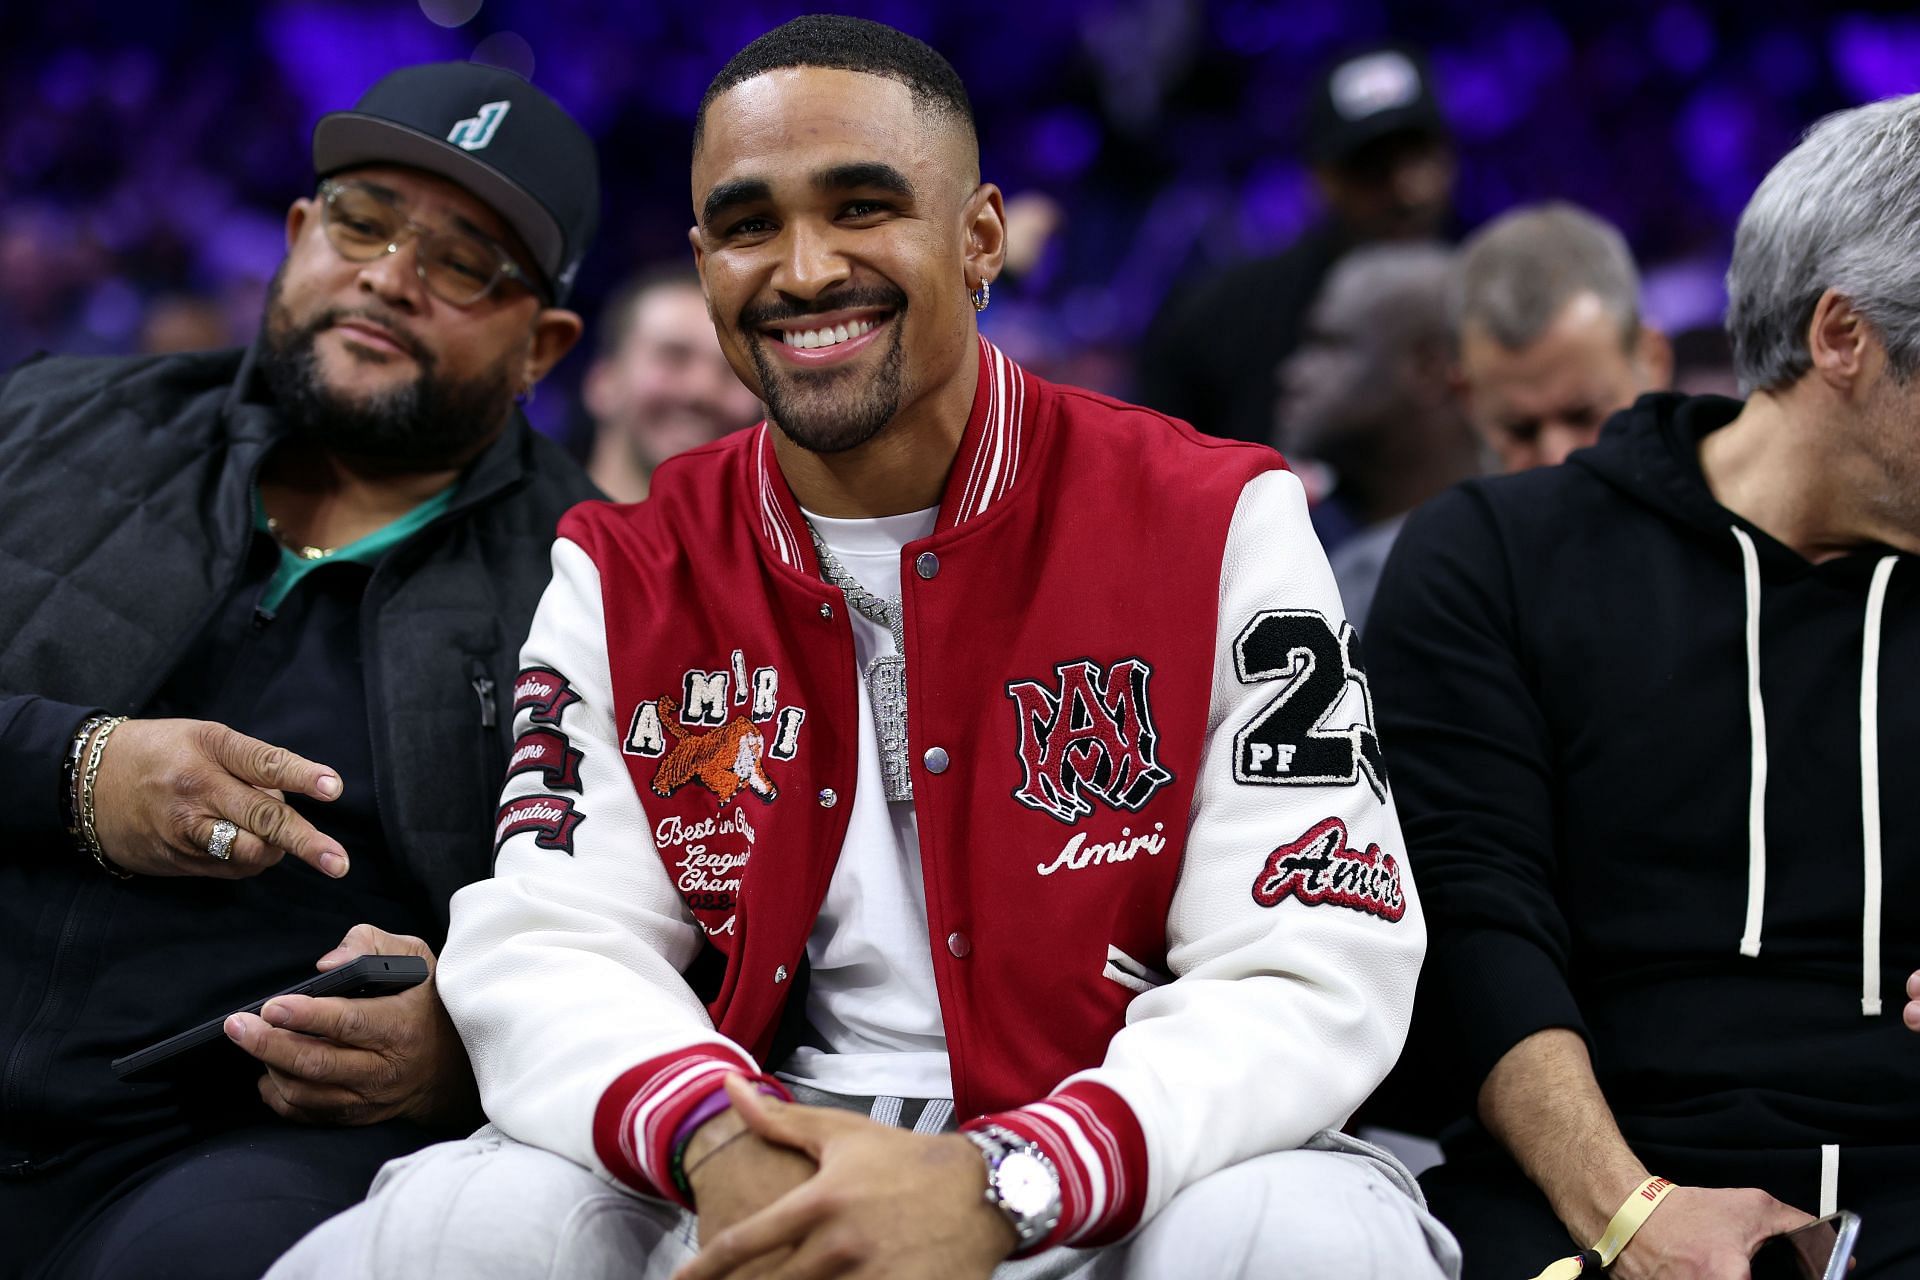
column 1658, row 779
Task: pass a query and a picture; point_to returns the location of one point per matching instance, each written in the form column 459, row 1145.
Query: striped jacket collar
column 985, row 469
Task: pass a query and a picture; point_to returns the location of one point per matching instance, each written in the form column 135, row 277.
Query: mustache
column 760, row 315
column 377, row 315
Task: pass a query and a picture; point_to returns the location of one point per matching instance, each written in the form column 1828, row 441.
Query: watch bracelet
column 995, row 1143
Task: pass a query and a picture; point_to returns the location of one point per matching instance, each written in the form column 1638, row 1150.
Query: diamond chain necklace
column 886, row 675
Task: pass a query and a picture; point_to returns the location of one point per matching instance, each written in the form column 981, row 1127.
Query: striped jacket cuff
column 634, row 1123
column 1095, row 1141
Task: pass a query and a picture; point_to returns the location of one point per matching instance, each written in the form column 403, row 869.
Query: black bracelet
column 716, row 1149
column 676, row 1170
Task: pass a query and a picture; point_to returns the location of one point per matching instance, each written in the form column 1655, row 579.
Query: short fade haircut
column 620, row 312
column 1840, row 211
column 1517, row 273
column 839, row 43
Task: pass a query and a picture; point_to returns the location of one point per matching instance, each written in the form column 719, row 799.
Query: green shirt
column 365, row 550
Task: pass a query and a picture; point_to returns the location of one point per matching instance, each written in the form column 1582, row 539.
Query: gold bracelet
column 1632, row 1215
column 70, row 776
column 88, row 836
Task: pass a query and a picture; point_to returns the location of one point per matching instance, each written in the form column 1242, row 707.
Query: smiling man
column 660, row 384
column 302, row 570
column 954, row 746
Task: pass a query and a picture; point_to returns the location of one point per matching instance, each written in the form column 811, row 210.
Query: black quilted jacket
column 125, row 518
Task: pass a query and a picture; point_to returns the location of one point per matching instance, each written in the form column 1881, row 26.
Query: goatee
column 830, row 410
column 427, row 424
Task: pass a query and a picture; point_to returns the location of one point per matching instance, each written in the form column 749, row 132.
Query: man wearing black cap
column 1384, row 165
column 304, row 570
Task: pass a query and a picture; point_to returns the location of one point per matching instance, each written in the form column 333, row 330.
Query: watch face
column 1026, row 1186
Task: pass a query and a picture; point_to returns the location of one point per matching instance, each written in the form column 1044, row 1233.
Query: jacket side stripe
column 627, row 1133
column 996, row 457
column 1099, row 1202
column 1014, row 402
column 1019, row 419
column 644, row 1112
column 772, row 519
column 1107, row 1145
column 996, row 447
column 971, row 493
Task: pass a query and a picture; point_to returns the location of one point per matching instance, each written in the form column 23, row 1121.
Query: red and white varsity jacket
column 1166, row 897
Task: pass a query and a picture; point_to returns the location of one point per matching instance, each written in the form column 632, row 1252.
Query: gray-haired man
column 1651, row 742
column 1546, row 303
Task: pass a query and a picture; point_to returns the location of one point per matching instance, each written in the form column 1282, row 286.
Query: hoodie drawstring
column 1870, row 788
column 1869, row 772
column 1757, row 731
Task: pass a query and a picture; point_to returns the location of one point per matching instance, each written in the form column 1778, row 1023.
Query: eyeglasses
column 457, row 267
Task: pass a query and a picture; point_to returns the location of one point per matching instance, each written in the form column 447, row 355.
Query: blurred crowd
column 1429, row 257
column 1144, row 148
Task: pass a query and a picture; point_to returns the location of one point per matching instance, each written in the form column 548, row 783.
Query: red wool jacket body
column 1165, row 906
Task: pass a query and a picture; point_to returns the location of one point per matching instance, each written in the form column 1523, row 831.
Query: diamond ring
column 221, row 844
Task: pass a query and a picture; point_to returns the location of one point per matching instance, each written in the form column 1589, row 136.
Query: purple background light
column 148, row 151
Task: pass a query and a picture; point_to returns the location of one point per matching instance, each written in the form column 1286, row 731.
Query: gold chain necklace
column 304, row 550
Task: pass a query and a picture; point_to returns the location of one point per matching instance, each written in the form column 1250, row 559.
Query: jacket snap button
column 935, row 759
column 826, row 610
column 827, row 798
column 926, row 564
column 780, row 974
column 959, row 945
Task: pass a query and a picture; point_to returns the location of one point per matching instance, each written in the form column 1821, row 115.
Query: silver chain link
column 886, row 675
column 883, row 612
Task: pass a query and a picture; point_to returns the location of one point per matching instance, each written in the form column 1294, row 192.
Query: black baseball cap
column 1367, row 97
column 493, row 133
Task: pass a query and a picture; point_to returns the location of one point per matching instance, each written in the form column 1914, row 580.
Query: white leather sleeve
column 1281, row 1018
column 563, row 971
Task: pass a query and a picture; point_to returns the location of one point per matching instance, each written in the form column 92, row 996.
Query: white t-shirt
column 872, row 995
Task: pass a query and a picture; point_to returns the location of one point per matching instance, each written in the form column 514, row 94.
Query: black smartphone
column 1821, row 1250
column 361, row 976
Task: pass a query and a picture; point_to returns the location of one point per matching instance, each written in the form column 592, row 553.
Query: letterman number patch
column 1319, row 730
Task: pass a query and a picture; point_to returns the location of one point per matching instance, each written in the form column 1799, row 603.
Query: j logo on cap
column 476, row 131
column 449, row 118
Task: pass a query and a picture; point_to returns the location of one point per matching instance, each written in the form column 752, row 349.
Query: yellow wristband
column 1638, row 1208
column 1632, row 1215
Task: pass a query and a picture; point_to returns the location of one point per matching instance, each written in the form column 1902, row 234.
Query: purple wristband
column 706, row 1109
column 716, row 1102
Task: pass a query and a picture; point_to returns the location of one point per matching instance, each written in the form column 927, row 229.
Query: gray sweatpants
column 490, row 1208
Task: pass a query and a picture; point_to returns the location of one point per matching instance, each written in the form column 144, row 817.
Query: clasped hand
column 883, row 1203
column 331, row 1060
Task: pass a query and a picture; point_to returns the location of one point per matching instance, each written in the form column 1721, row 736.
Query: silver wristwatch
column 1021, row 1182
